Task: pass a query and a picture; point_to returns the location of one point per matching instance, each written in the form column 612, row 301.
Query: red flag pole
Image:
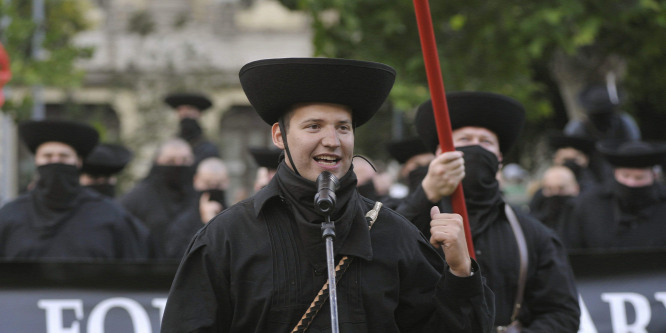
column 440, row 108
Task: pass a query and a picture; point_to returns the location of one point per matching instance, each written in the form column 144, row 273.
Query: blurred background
column 110, row 63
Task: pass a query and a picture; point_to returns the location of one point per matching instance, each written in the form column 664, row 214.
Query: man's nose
column 330, row 138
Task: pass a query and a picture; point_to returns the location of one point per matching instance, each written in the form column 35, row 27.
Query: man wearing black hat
column 414, row 157
column 59, row 219
column 485, row 126
column 268, row 160
column 258, row 265
column 166, row 192
column 101, row 165
column 629, row 210
column 189, row 107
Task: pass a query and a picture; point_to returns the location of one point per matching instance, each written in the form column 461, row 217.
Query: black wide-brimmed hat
column 83, row 138
column 633, row 154
column 196, row 100
column 561, row 140
column 273, row 86
column 403, row 150
column 502, row 115
column 266, row 157
column 596, row 98
column 106, row 160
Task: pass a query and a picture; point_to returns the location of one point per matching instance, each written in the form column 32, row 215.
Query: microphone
column 324, row 200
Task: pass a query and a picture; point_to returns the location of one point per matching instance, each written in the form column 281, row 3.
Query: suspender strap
column 522, row 250
column 340, row 269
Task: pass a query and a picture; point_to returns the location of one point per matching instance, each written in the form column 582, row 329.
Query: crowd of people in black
column 255, row 265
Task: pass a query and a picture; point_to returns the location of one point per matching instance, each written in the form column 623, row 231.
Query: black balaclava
column 55, row 197
column 416, row 176
column 633, row 199
column 174, row 177
column 216, row 195
column 480, row 187
column 190, row 130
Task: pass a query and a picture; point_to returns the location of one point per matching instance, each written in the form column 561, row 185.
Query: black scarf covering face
column 177, row 178
column 416, row 176
column 634, row 199
column 190, row 130
column 299, row 194
column 481, row 188
column 55, row 196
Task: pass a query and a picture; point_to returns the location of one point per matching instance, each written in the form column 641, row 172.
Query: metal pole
column 38, row 112
column 328, row 232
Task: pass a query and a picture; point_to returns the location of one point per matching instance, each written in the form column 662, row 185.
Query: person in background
column 370, row 183
column 578, row 154
column 414, row 158
column 101, row 166
column 485, row 127
column 268, row 160
column 558, row 189
column 210, row 182
column 189, row 107
column 627, row 211
column 166, row 192
column 59, row 219
column 258, row 265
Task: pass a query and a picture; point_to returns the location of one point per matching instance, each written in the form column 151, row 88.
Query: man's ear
column 276, row 135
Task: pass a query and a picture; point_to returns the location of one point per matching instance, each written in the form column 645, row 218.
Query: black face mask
column 190, row 129
column 481, row 166
column 58, row 185
column 108, row 190
column 175, row 177
column 416, row 176
column 552, row 207
column 216, row 195
column 576, row 168
column 633, row 199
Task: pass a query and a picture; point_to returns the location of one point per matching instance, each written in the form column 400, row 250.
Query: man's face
column 571, row 154
column 56, row 152
column 175, row 155
column 320, row 138
column 632, row 177
column 188, row 111
column 208, row 179
column 559, row 181
column 469, row 136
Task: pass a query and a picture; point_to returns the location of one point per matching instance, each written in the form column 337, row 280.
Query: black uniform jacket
column 550, row 302
column 97, row 228
column 597, row 222
column 247, row 271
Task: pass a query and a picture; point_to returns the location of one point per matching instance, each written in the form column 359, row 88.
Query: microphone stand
column 328, row 233
column 324, row 201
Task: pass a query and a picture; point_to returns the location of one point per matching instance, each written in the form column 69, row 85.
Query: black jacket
column 550, row 302
column 246, row 271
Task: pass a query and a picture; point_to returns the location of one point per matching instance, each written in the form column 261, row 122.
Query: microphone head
column 327, row 184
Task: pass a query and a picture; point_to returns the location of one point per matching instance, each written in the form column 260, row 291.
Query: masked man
column 627, row 211
column 189, row 107
column 485, row 126
column 165, row 193
column 101, row 166
column 58, row 218
column 258, row 265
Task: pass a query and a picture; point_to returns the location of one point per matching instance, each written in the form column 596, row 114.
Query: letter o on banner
column 140, row 320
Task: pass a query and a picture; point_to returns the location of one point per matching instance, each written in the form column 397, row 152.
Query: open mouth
column 327, row 160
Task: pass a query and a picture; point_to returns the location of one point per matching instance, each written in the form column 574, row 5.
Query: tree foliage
column 520, row 48
column 55, row 65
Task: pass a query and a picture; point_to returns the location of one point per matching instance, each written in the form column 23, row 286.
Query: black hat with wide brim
column 597, row 98
column 106, row 160
column 502, row 115
column 633, row 154
column 274, row 86
column 403, row 150
column 196, row 100
column 266, row 157
column 560, row 140
column 81, row 137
